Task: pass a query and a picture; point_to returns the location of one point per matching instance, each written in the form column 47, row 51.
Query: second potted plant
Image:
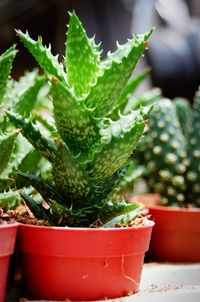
column 91, row 244
column 171, row 151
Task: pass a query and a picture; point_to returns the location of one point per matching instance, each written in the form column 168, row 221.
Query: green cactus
column 193, row 171
column 88, row 151
column 171, row 151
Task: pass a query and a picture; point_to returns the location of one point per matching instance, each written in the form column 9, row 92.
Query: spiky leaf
column 128, row 90
column 6, row 60
column 120, row 141
column 45, row 146
column 74, row 122
column 9, row 200
column 37, row 209
column 105, row 212
column 104, row 189
column 43, row 55
column 6, row 146
column 70, row 177
column 44, row 187
column 124, row 219
column 82, row 58
column 6, row 183
column 27, row 100
column 114, row 74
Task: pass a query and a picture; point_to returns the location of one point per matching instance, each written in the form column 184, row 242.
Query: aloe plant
column 171, row 151
column 15, row 152
column 88, row 151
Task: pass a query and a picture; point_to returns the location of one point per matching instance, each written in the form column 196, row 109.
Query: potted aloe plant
column 8, row 228
column 15, row 152
column 171, row 153
column 90, row 237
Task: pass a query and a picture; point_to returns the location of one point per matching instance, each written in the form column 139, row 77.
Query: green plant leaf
column 37, row 209
column 82, row 58
column 6, row 147
column 27, row 100
column 6, row 60
column 120, row 139
column 43, row 55
column 148, row 98
column 115, row 73
column 6, row 183
column 9, row 200
column 104, row 189
column 125, row 218
column 66, row 216
column 44, row 187
column 70, row 178
column 45, row 146
column 74, row 122
column 128, row 90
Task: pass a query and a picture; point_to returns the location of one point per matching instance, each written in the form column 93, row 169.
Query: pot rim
column 9, row 225
column 150, row 224
column 174, row 209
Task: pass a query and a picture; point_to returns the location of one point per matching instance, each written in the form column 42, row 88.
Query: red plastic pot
column 176, row 235
column 82, row 263
column 7, row 244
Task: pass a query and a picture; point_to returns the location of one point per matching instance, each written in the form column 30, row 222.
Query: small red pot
column 7, row 244
column 176, row 235
column 82, row 263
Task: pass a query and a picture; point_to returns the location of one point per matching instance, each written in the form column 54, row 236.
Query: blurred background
column 174, row 47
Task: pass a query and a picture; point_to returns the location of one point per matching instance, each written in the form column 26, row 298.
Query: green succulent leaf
column 107, row 212
column 6, row 183
column 114, row 74
column 125, row 218
column 82, row 58
column 104, row 189
column 6, row 147
column 66, row 216
column 128, row 90
column 146, row 99
column 27, row 100
column 119, row 142
column 74, row 122
column 31, row 157
column 70, row 178
column 9, row 200
column 37, row 209
column 44, row 187
column 6, row 60
column 45, row 146
column 48, row 125
column 43, row 55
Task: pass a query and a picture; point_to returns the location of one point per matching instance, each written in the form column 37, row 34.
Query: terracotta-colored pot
column 7, row 244
column 176, row 235
column 82, row 263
